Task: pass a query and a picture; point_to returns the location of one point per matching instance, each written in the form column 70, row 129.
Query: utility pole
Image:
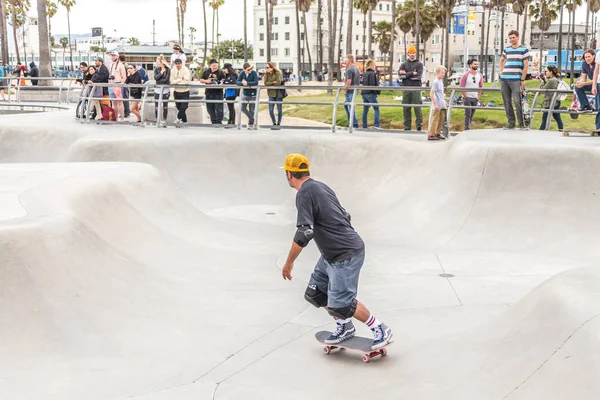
column 153, row 32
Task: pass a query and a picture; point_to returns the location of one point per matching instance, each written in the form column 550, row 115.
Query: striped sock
column 372, row 322
column 342, row 321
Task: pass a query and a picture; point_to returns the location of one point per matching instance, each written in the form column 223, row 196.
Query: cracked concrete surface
column 145, row 264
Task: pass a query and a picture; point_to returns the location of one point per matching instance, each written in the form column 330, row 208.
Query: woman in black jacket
column 134, row 78
column 370, row 95
column 230, row 93
column 162, row 76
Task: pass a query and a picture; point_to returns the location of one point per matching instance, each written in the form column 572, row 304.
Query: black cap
column 178, row 61
column 212, row 61
column 227, row 65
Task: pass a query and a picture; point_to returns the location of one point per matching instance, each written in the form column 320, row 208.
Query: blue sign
column 457, row 25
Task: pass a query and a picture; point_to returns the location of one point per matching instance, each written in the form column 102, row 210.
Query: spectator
column 34, row 72
column 411, row 73
column 181, row 76
column 471, row 79
column 585, row 83
column 142, row 71
column 352, row 80
column 214, row 76
column 134, row 78
column 178, row 54
column 369, row 96
column 162, row 76
column 552, row 76
column 596, row 92
column 248, row 77
column 273, row 78
column 439, row 105
column 125, row 89
column 97, row 92
column 513, row 71
column 230, row 93
column 103, row 73
column 117, row 75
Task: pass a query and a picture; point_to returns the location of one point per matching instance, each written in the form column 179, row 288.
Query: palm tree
column 133, row 41
column 405, row 20
column 246, row 31
column 393, row 41
column 205, row 33
column 51, row 10
column 43, row 36
column 371, row 4
column 268, row 23
column 571, row 6
column 182, row 10
column 304, row 7
column 215, row 5
column 543, row 13
column 349, row 30
column 428, row 23
column 319, row 38
column 363, row 6
column 17, row 20
column 298, row 42
column 3, row 31
column 520, row 7
column 339, row 45
column 560, row 34
column 64, row 42
column 68, row 4
column 443, row 21
column 594, row 7
column 385, row 36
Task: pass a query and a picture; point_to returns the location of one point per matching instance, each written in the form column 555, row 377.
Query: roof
column 554, row 28
column 148, row 50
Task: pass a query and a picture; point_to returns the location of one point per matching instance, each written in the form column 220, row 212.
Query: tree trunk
column 487, row 46
column 364, row 49
column 307, row 46
column 49, row 39
column 246, row 32
column 393, row 41
column 268, row 38
column 587, row 24
column 298, row 47
column 43, row 34
column 334, row 56
column 501, row 44
column 525, row 24
column 482, row 50
column 447, row 34
column 573, row 44
column 319, row 40
column 14, row 26
column 339, row 46
column 370, row 37
column 218, row 50
column 330, row 23
column 418, row 27
column 70, row 48
column 405, row 48
column 178, row 12
column 350, row 23
column 568, row 44
column 3, row 31
column 182, row 29
column 560, row 34
column 205, row 33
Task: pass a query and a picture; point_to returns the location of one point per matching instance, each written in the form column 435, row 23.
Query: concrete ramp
column 145, row 264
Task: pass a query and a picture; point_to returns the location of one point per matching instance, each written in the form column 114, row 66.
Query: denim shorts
column 338, row 279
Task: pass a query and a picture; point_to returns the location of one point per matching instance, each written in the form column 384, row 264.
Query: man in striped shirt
column 513, row 70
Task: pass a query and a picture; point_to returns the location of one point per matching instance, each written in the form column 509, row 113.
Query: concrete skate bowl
column 28, row 108
column 145, row 264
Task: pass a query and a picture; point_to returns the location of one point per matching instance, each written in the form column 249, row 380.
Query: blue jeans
column 348, row 98
column 556, row 118
column 279, row 109
column 583, row 101
column 339, row 279
column 370, row 98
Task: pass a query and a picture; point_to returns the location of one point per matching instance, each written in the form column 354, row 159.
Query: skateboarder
column 334, row 282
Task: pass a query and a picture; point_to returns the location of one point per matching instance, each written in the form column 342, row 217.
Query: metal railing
column 7, row 84
column 336, row 91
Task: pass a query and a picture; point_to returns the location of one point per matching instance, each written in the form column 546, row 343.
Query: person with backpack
column 273, row 78
column 230, row 93
column 550, row 81
column 369, row 96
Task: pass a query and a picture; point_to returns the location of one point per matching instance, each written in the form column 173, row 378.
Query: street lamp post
column 464, row 10
column 496, row 18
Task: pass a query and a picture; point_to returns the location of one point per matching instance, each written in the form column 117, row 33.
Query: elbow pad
column 303, row 236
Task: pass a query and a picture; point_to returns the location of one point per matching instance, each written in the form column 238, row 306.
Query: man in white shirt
column 180, row 75
column 472, row 79
column 178, row 54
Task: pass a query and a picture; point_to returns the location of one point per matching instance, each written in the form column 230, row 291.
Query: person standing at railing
column 471, row 79
column 142, row 71
column 438, row 101
column 273, row 78
column 181, row 76
column 352, row 80
column 596, row 92
column 103, row 73
column 34, row 72
column 178, row 54
column 134, row 78
column 162, row 76
column 125, row 90
column 214, row 76
column 97, row 93
column 550, row 81
column 230, row 93
column 585, row 84
column 411, row 73
column 514, row 64
column 248, row 77
column 369, row 96
column 117, row 75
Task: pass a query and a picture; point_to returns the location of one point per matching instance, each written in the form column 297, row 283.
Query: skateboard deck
column 356, row 343
column 591, row 133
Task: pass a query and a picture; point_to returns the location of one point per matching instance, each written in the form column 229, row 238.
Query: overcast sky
column 134, row 18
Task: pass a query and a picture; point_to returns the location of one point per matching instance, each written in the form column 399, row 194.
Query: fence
column 66, row 86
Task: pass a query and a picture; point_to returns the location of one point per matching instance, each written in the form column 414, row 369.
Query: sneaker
column 383, row 336
column 378, row 128
column 523, row 128
column 343, row 332
column 509, row 127
column 441, row 137
column 433, row 138
column 586, row 109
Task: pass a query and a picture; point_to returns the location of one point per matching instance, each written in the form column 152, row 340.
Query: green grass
column 392, row 117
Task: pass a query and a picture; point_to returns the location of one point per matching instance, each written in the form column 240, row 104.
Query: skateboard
column 591, row 133
column 356, row 343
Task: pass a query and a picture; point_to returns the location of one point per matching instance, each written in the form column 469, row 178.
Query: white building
column 284, row 38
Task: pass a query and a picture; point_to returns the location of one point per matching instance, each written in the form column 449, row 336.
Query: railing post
column 60, row 88
column 256, row 104
column 450, row 106
column 69, row 89
column 87, row 103
column 532, row 109
column 352, row 111
column 335, row 108
column 144, row 96
column 549, row 119
column 18, row 90
column 240, row 105
column 159, row 110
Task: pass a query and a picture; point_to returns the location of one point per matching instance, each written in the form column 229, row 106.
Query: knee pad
column 315, row 297
column 343, row 312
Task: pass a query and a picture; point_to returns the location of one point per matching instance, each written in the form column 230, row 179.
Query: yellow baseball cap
column 294, row 161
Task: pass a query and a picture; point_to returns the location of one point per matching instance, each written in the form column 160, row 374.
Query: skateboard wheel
column 327, row 350
column 366, row 358
column 565, row 133
column 383, row 352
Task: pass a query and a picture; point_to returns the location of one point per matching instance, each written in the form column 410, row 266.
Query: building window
column 436, row 58
column 357, row 23
column 262, row 52
column 261, row 21
column 274, row 52
column 388, row 7
column 275, row 20
column 380, row 6
column 287, row 52
column 287, row 20
column 261, row 37
column 287, row 36
column 435, row 39
column 356, row 37
column 302, row 36
column 274, row 36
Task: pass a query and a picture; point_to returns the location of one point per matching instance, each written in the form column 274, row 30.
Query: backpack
column 108, row 114
column 562, row 85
